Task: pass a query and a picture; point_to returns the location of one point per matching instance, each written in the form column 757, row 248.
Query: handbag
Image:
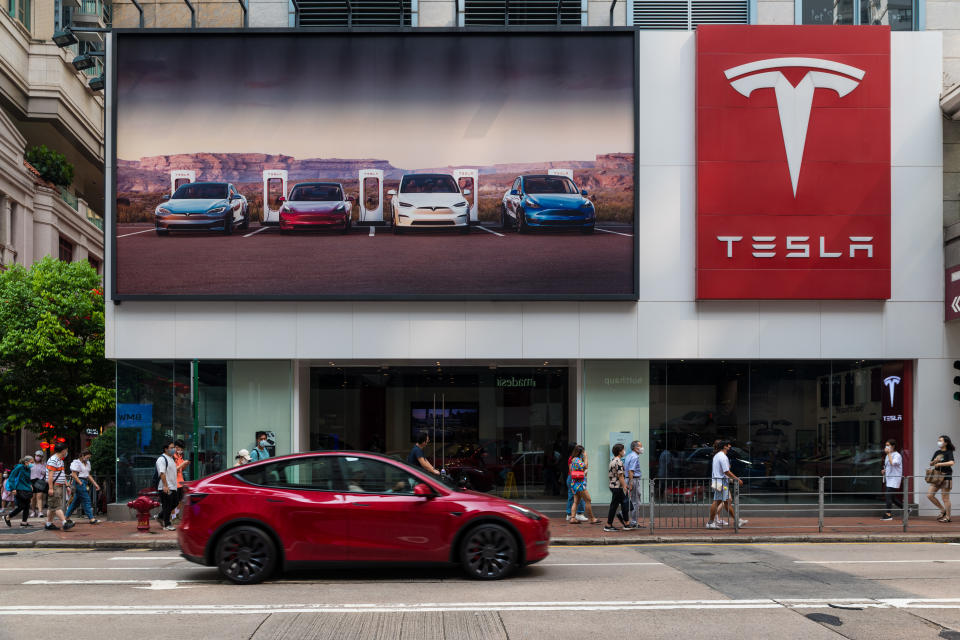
column 39, row 485
column 578, row 474
column 933, row 475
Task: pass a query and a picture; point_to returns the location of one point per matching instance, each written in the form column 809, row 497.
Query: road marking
column 629, row 235
column 91, row 568
column 136, row 232
column 256, row 232
column 147, row 558
column 600, row 564
column 870, row 561
column 422, row 607
column 373, row 232
column 155, row 585
column 479, row 226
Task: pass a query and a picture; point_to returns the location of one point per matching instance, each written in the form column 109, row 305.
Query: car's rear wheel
column 503, row 218
column 228, row 223
column 396, row 227
column 346, row 226
column 246, row 220
column 246, row 555
column 489, row 552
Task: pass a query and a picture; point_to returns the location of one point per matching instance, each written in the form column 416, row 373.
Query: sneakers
column 887, row 516
column 723, row 523
column 69, row 524
column 742, row 522
column 24, row 524
column 607, row 527
column 51, row 527
column 630, row 527
column 6, row 519
column 169, row 527
column 713, row 525
column 581, row 517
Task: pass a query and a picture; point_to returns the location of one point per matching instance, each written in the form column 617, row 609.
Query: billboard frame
column 110, row 146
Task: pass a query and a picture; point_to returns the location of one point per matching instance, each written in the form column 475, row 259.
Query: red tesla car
column 346, row 507
column 316, row 205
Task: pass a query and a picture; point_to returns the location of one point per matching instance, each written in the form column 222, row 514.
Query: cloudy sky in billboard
column 417, row 102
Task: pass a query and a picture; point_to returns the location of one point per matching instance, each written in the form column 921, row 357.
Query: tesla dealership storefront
column 788, row 293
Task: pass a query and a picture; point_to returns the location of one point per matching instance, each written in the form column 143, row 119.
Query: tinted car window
column 320, row 473
column 316, row 193
column 201, row 191
column 429, row 183
column 549, row 184
column 363, row 475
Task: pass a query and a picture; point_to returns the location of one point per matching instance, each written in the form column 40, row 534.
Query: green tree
column 52, row 365
column 103, row 453
column 51, row 164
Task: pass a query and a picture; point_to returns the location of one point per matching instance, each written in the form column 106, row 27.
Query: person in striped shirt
column 56, row 488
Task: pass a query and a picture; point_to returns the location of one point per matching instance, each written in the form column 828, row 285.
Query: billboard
column 415, row 165
column 793, row 162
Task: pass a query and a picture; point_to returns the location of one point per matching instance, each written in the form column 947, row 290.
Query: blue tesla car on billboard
column 203, row 205
column 539, row 201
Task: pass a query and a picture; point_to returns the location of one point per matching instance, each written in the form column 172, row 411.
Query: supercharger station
column 181, row 176
column 561, row 172
column 470, row 179
column 370, row 214
column 272, row 179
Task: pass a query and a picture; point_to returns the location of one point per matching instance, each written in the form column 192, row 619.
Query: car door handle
column 275, row 500
column 360, row 504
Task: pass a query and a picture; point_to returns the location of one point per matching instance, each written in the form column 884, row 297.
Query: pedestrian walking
column 6, row 493
column 892, row 477
column 260, row 450
column 720, row 483
column 82, row 481
column 22, row 491
column 416, row 457
column 38, row 474
column 578, row 474
column 243, row 457
column 940, row 477
column 633, row 474
column 167, row 484
column 579, row 516
column 618, row 496
column 57, row 489
column 182, row 463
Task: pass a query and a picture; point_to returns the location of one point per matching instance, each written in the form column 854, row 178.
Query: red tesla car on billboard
column 316, row 205
column 351, row 507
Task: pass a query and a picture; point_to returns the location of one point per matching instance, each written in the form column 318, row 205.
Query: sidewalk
column 125, row 535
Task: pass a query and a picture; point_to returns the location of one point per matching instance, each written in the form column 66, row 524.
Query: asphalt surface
column 264, row 262
column 873, row 591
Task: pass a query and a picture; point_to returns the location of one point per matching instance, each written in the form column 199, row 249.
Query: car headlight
column 587, row 204
column 339, row 207
column 405, row 204
column 216, row 210
column 533, row 204
column 162, row 212
column 462, row 203
column 533, row 515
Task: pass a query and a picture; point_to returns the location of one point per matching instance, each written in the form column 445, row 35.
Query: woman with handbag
column 23, row 491
column 940, row 477
column 38, row 475
column 578, row 478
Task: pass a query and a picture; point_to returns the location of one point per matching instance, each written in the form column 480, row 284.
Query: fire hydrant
column 143, row 505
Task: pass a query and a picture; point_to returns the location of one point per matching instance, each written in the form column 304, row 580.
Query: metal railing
column 790, row 502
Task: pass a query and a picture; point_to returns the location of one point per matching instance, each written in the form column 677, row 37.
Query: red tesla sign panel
column 793, row 162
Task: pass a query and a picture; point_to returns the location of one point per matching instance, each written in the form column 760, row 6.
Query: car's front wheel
column 489, row 552
column 228, row 223
column 246, row 220
column 163, row 232
column 246, row 555
column 522, row 226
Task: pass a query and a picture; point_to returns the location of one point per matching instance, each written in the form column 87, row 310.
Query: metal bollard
column 906, row 502
column 820, row 505
column 650, row 500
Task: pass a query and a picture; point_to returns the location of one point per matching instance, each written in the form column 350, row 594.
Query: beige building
column 45, row 101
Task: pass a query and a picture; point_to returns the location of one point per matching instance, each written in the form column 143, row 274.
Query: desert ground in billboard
column 506, row 160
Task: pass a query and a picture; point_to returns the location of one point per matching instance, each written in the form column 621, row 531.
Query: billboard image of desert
column 225, row 108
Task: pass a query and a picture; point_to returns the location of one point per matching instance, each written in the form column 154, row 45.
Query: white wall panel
column 494, row 329
column 325, row 329
column 266, row 330
column 729, row 329
column 551, row 330
column 205, row 330
column 666, row 225
column 916, row 251
column 789, row 329
column 147, row 331
column 915, row 83
column 381, row 330
column 608, row 329
column 851, row 329
column 913, row 329
column 438, row 330
column 667, row 329
column 667, row 90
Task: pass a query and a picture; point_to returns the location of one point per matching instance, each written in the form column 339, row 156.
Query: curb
column 556, row 542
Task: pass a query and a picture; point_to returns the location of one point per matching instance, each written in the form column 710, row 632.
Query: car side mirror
column 392, row 192
column 583, row 192
column 466, row 192
column 282, row 199
column 165, row 197
column 514, row 192
column 234, row 197
column 423, row 490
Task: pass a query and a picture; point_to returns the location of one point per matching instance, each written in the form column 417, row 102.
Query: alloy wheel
column 489, row 552
column 246, row 555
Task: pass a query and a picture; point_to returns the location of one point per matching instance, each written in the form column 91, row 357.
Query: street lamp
column 64, row 38
column 83, row 61
column 96, row 84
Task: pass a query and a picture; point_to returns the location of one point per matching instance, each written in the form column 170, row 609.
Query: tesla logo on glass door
column 793, row 162
column 891, row 382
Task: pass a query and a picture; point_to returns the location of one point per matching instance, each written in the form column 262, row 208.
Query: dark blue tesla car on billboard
column 203, row 205
column 539, row 201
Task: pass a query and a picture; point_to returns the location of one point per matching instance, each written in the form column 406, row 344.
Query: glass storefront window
column 501, row 430
column 828, row 11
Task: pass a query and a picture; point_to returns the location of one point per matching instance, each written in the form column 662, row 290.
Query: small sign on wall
column 951, row 298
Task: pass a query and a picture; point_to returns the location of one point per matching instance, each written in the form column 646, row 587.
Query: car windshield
column 549, row 184
column 316, row 193
column 429, row 183
column 200, row 191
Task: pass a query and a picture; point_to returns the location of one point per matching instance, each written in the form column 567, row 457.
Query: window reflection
column 827, row 11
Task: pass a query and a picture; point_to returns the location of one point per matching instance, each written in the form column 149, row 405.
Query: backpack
column 155, row 482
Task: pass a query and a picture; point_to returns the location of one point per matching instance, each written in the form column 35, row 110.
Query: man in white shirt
column 167, row 485
column 892, row 477
column 719, row 483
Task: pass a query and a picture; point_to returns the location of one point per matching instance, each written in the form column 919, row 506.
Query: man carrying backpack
column 166, row 483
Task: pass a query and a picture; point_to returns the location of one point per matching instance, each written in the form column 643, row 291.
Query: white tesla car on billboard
column 428, row 200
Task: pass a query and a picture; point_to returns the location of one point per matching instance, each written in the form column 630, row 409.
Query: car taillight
column 196, row 497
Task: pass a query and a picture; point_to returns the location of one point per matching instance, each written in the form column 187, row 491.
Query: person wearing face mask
column 57, row 489
column 82, row 481
column 892, row 477
column 6, row 493
column 633, row 474
column 942, row 461
column 38, row 475
column 167, row 484
column 260, row 451
column 22, row 490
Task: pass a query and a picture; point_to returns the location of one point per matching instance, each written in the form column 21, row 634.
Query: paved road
column 263, row 262
column 870, row 591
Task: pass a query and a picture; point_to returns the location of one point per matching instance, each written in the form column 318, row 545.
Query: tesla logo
column 794, row 102
column 891, row 382
column 798, row 246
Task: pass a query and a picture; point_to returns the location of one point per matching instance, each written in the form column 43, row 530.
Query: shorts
column 55, row 498
column 945, row 486
column 723, row 494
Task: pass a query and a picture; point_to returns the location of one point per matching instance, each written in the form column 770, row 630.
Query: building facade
column 800, row 386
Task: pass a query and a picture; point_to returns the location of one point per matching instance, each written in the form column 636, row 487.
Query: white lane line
column 373, row 231
column 479, row 226
column 136, row 232
column 256, row 232
column 600, row 564
column 148, row 558
column 87, row 582
column 629, row 235
column 871, row 561
column 635, row 605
